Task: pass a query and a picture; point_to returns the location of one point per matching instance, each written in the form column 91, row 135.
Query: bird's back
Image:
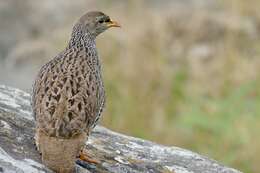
column 68, row 94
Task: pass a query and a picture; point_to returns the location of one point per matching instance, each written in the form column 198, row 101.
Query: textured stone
column 115, row 152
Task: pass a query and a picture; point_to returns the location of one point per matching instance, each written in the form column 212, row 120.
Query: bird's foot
column 84, row 157
column 36, row 148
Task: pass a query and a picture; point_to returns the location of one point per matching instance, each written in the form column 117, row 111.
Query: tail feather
column 59, row 154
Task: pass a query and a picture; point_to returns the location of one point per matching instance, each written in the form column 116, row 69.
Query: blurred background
column 179, row 72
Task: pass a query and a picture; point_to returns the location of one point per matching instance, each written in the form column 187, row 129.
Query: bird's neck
column 81, row 39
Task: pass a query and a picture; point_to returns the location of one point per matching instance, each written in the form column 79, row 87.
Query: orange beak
column 113, row 24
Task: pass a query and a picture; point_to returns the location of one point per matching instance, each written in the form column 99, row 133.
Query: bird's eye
column 101, row 21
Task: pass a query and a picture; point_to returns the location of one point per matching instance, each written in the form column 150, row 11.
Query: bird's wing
column 66, row 95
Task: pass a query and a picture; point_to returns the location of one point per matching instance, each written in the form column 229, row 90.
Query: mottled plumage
column 68, row 95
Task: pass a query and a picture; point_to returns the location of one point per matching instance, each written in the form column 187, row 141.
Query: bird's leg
column 36, row 142
column 84, row 157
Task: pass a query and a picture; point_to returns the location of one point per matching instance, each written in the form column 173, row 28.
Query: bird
column 68, row 95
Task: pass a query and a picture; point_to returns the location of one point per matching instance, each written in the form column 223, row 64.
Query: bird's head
column 96, row 22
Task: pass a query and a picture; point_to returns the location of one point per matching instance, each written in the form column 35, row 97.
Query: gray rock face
column 115, row 152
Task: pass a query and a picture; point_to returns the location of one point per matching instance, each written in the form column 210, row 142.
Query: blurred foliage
column 191, row 82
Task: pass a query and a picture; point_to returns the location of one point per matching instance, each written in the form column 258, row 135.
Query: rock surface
column 115, row 152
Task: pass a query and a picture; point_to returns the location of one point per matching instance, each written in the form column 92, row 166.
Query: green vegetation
column 190, row 80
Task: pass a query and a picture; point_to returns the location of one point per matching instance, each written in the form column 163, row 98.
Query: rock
column 114, row 151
